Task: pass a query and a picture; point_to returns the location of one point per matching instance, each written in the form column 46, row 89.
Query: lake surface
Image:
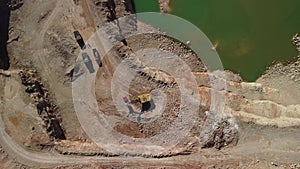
column 252, row 34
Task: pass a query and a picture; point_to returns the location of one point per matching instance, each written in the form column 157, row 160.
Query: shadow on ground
column 4, row 28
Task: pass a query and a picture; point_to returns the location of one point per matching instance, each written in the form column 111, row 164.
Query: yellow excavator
column 144, row 99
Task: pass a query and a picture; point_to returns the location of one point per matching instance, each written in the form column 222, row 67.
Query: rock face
column 256, row 102
column 15, row 4
column 164, row 6
column 110, row 10
column 296, row 41
column 4, row 26
column 80, row 148
column 217, row 132
column 45, row 108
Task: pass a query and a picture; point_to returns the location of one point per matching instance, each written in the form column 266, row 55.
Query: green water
column 252, row 34
column 146, row 6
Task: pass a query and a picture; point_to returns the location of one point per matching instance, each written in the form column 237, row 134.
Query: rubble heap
column 44, row 104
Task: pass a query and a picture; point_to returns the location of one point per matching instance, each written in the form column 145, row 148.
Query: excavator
column 144, row 99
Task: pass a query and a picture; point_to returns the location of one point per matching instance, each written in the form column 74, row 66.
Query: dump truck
column 97, row 57
column 79, row 39
column 88, row 62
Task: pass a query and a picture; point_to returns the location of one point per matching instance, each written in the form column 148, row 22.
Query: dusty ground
column 267, row 112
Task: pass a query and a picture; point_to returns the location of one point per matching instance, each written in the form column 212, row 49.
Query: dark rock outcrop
column 4, row 29
column 46, row 109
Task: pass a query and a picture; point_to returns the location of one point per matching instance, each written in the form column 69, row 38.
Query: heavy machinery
column 79, row 39
column 97, row 57
column 144, row 99
column 88, row 62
